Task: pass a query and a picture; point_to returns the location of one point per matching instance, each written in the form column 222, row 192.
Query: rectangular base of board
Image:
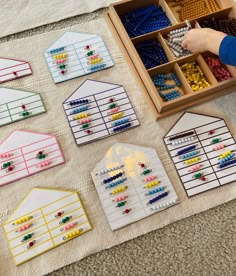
column 216, row 91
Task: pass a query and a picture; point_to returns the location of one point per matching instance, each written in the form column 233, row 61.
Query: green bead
column 8, row 164
column 120, row 204
column 146, row 172
column 216, row 140
column 4, row 165
column 112, row 105
column 29, row 236
column 62, row 66
column 85, row 125
column 63, row 221
column 25, row 238
column 198, row 175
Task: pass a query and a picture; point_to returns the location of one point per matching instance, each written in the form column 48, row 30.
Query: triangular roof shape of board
column 191, row 120
column 32, row 202
column 90, row 88
column 8, row 95
column 21, row 138
column 71, row 38
column 11, row 69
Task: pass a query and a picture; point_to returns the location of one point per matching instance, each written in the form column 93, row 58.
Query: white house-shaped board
column 11, row 69
column 17, row 105
column 132, row 184
column 203, row 151
column 98, row 109
column 45, row 219
column 77, row 54
column 24, row 153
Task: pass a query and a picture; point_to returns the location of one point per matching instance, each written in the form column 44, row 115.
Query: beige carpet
column 201, row 245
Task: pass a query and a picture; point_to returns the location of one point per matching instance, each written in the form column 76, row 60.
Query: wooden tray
column 189, row 98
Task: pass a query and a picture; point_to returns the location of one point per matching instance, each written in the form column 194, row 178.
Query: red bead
column 59, row 214
column 87, row 47
column 142, row 165
column 31, row 244
column 126, row 211
column 14, row 73
column 63, row 72
column 23, row 106
column 10, row 169
column 203, row 178
column 211, row 132
column 88, row 131
column 40, row 153
column 111, row 100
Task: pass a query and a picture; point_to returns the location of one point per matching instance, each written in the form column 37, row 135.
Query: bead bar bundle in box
column 152, row 47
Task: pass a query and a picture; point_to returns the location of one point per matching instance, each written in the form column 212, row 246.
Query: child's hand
column 202, row 40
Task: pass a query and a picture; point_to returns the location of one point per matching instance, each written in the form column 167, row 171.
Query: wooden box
column 188, row 97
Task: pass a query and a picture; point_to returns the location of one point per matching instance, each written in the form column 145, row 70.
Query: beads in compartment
column 194, row 75
column 60, row 57
column 189, row 9
column 151, row 53
column 167, row 85
column 217, row 68
column 174, row 40
column 224, row 24
column 144, row 20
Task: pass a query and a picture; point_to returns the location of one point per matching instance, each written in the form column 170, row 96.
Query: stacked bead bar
column 194, row 75
column 59, row 56
column 144, row 20
column 174, row 40
column 189, row 9
column 151, row 53
column 217, row 68
column 167, row 86
column 225, row 25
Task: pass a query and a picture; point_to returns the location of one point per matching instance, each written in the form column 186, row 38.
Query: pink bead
column 44, row 164
column 150, row 178
column 195, row 168
column 120, row 198
column 60, row 61
column 221, row 146
column 93, row 57
column 5, row 155
column 85, row 120
column 114, row 110
column 24, row 227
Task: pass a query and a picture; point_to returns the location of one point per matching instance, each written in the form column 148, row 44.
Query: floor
column 204, row 244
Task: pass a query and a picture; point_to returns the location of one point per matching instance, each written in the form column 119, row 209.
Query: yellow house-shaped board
column 197, row 145
column 37, row 224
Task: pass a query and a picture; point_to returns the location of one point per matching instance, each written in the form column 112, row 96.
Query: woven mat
column 17, row 16
column 75, row 173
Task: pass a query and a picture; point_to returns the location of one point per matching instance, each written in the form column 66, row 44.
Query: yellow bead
column 80, row 116
column 117, row 116
column 151, row 184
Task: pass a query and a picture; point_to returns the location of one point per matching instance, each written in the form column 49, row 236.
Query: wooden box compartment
column 222, row 4
column 143, row 75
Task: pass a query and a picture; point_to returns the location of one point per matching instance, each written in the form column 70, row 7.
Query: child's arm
column 227, row 51
column 202, row 40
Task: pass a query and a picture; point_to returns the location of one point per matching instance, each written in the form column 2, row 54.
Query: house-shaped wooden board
column 76, row 54
column 45, row 219
column 203, row 151
column 17, row 105
column 132, row 184
column 96, row 110
column 24, row 153
column 11, row 69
